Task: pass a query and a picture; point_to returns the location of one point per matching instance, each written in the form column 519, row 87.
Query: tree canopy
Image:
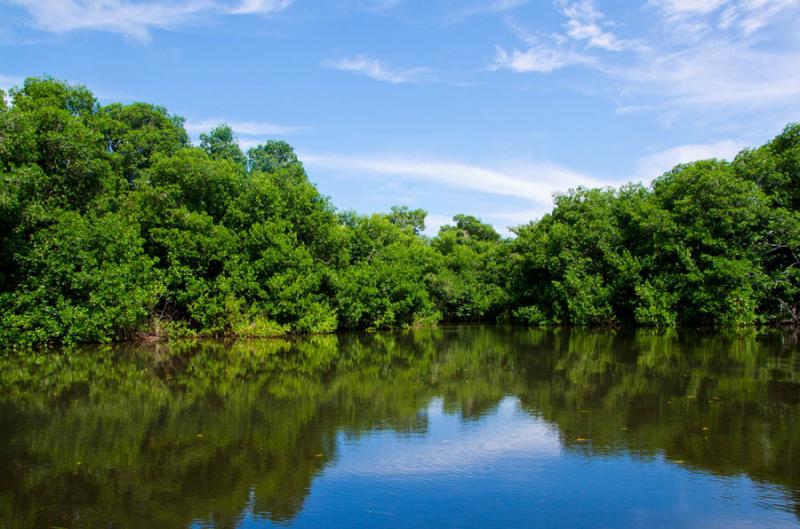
column 114, row 225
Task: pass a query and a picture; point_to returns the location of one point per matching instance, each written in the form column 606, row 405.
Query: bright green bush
column 86, row 279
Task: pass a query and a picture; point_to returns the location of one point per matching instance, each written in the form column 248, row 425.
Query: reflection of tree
column 726, row 405
column 149, row 437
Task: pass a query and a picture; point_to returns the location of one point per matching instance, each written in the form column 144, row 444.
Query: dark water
column 471, row 427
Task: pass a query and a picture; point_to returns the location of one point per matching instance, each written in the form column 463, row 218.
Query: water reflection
column 466, row 426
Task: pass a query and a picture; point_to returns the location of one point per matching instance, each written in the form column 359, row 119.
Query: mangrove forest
column 115, row 226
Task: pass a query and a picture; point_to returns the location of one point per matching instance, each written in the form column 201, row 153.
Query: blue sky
column 478, row 106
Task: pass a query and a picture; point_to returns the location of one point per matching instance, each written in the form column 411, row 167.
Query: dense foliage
column 711, row 243
column 113, row 225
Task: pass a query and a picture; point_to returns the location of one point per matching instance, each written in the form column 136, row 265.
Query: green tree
column 470, row 283
column 102, row 199
column 410, row 219
column 136, row 133
column 221, row 144
column 271, row 156
column 85, row 279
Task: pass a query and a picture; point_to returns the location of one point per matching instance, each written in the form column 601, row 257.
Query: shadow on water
column 196, row 434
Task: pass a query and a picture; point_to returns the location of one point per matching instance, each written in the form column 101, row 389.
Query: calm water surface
column 468, row 427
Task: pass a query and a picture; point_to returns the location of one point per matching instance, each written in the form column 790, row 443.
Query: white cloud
column 710, row 58
column 434, row 221
column 716, row 61
column 656, row 164
column 692, row 17
column 247, row 143
column 539, row 58
column 134, row 19
column 378, row 70
column 531, row 181
column 247, row 128
column 715, row 74
column 756, row 14
column 551, row 52
column 244, row 7
column 584, row 22
column 131, row 19
column 678, row 8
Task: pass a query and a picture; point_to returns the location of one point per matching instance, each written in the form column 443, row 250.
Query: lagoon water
column 462, row 427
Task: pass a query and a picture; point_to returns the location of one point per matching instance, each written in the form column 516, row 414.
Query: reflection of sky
column 508, row 470
column 449, row 445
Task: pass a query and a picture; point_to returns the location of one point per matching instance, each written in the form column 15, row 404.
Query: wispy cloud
column 134, row 19
column 380, row 71
column 716, row 60
column 246, row 7
column 647, row 169
column 701, row 16
column 539, row 58
column 718, row 74
column 535, row 182
column 680, row 8
column 752, row 15
column 545, row 53
column 656, row 164
column 709, row 56
column 434, row 221
column 247, row 128
column 585, row 22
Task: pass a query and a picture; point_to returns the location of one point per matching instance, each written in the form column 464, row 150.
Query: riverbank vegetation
column 114, row 226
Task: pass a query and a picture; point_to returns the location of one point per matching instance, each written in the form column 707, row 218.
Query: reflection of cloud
column 449, row 445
